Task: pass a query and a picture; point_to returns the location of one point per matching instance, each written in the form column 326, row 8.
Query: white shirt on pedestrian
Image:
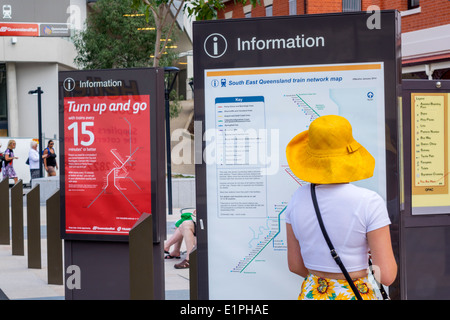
column 33, row 156
column 348, row 213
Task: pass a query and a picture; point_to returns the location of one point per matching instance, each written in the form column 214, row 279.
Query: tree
column 117, row 37
column 159, row 11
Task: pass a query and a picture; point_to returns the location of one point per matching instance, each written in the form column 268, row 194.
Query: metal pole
column 54, row 242
column 5, row 232
column 168, row 89
column 169, row 155
column 39, row 92
column 34, row 228
column 142, row 264
column 17, row 237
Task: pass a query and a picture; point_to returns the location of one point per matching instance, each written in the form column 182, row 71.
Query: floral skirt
column 8, row 172
column 316, row 288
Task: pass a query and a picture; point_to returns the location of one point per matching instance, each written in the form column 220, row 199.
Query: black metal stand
column 171, row 74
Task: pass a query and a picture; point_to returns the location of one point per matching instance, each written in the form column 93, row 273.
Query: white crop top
column 348, row 213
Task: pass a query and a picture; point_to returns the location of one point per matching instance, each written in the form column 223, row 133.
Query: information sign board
column 430, row 143
column 429, row 149
column 258, row 83
column 108, row 135
column 38, row 18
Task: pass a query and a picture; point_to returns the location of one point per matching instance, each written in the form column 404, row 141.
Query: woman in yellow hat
column 355, row 218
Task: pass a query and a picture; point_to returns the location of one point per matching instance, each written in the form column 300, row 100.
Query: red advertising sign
column 107, row 163
column 19, row 29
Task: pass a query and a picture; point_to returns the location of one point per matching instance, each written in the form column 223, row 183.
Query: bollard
column 141, row 259
column 54, row 242
column 193, row 276
column 34, row 228
column 5, row 234
column 17, row 238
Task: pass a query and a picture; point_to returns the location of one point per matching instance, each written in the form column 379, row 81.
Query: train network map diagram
column 251, row 115
column 119, row 172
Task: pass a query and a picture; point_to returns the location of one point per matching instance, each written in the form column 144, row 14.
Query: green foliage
column 204, row 10
column 112, row 40
column 200, row 9
column 207, row 10
column 175, row 106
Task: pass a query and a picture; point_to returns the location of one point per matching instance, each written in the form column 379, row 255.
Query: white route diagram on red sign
column 118, row 173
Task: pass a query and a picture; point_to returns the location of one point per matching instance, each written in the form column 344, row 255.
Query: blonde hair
column 10, row 142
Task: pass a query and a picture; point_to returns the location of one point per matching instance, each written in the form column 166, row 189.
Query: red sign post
column 112, row 174
column 112, row 148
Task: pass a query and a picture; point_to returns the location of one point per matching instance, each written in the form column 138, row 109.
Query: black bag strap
column 330, row 245
column 379, row 285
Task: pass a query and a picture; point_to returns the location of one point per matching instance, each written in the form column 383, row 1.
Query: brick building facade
column 425, row 26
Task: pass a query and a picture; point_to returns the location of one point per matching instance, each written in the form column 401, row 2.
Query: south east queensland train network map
column 250, row 116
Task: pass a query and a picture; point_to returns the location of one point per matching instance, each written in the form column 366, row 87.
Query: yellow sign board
column 429, row 143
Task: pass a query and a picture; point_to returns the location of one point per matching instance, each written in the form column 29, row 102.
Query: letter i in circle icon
column 216, row 50
column 215, row 45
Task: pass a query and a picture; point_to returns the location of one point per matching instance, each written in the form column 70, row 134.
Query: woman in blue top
column 49, row 156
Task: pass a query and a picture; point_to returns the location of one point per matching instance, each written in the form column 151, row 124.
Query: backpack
column 2, row 159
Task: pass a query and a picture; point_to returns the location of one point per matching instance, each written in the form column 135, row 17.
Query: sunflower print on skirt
column 318, row 288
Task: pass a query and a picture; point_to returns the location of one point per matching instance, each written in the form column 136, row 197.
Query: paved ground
column 177, row 280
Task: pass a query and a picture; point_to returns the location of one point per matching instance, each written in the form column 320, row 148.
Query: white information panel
column 250, row 116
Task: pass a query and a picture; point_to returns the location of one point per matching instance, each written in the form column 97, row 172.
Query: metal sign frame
column 349, row 38
column 424, row 233
column 126, row 83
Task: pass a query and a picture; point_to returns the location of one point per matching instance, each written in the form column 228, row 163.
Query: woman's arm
column 383, row 259
column 295, row 259
column 8, row 157
column 44, row 156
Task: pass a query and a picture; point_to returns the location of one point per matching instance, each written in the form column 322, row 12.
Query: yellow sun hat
column 327, row 153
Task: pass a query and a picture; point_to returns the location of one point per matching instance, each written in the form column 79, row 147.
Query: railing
column 12, row 232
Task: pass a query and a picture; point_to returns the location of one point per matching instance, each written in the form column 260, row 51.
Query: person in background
column 356, row 219
column 49, row 157
column 33, row 160
column 184, row 229
column 7, row 164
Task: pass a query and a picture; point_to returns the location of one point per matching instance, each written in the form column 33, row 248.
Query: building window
column 412, row 4
column 292, row 7
column 269, row 11
column 3, row 103
column 351, row 5
column 248, row 11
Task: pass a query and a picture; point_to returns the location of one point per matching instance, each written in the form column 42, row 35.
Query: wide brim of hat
column 327, row 169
